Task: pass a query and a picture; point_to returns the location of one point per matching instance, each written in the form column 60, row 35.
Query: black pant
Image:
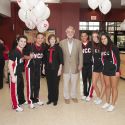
column 20, row 89
column 35, row 83
column 2, row 63
column 87, row 77
column 53, row 85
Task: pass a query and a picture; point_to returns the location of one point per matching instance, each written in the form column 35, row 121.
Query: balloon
column 32, row 3
column 43, row 26
column 46, row 14
column 23, row 4
column 105, row 6
column 93, row 4
column 39, row 10
column 22, row 15
column 30, row 24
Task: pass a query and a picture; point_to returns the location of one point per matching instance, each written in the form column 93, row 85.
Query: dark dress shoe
column 54, row 103
column 49, row 102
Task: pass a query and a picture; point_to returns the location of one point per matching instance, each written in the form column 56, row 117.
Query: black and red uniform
column 17, row 89
column 33, row 71
column 87, row 67
column 53, row 58
column 110, row 60
column 97, row 62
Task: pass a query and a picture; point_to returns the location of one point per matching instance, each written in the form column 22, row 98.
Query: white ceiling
column 84, row 3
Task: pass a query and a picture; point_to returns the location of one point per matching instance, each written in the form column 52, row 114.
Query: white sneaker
column 111, row 108
column 40, row 103
column 98, row 101
column 83, row 97
column 106, row 105
column 19, row 109
column 25, row 103
column 88, row 99
column 32, row 106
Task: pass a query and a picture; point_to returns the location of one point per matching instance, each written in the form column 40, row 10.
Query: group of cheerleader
column 101, row 63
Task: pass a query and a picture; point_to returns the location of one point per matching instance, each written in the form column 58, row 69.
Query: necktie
column 51, row 54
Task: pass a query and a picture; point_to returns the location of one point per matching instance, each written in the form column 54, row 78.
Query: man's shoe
column 67, row 101
column 75, row 100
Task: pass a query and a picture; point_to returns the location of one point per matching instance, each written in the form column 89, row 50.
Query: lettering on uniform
column 38, row 55
column 86, row 50
column 21, row 60
column 97, row 51
column 105, row 53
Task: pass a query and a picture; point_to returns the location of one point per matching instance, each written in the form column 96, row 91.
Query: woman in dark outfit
column 53, row 68
column 111, row 65
column 2, row 62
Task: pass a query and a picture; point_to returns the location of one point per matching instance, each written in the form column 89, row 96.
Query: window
column 89, row 26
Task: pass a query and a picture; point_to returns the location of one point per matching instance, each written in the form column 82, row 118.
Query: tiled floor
column 83, row 113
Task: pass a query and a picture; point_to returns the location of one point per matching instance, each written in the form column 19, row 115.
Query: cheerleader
column 53, row 68
column 87, row 64
column 33, row 54
column 16, row 67
column 111, row 65
column 97, row 70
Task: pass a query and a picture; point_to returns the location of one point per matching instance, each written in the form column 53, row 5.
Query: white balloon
column 23, row 4
column 32, row 3
column 105, row 6
column 30, row 24
column 39, row 10
column 43, row 26
column 22, row 15
column 93, row 4
column 46, row 14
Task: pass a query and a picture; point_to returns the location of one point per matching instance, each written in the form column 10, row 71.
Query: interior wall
column 62, row 15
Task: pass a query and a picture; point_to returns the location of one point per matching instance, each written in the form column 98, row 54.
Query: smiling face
column 22, row 43
column 52, row 41
column 95, row 37
column 104, row 40
column 39, row 39
column 84, row 37
column 70, row 32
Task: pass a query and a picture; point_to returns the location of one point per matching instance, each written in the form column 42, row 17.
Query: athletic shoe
column 40, row 103
column 106, row 105
column 32, row 106
column 88, row 98
column 83, row 97
column 111, row 108
column 19, row 109
column 98, row 101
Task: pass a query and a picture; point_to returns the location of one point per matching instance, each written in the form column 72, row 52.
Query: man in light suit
column 73, row 62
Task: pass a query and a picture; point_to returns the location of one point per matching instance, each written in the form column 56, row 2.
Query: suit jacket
column 73, row 60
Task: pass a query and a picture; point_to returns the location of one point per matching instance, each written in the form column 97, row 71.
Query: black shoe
column 54, row 103
column 49, row 102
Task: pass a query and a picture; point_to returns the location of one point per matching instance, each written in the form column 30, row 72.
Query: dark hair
column 85, row 33
column 110, row 43
column 52, row 35
column 39, row 33
column 14, row 44
column 22, row 36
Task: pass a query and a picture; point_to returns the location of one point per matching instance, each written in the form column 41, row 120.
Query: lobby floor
column 82, row 113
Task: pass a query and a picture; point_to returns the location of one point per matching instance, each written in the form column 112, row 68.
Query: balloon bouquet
column 34, row 13
column 104, row 5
